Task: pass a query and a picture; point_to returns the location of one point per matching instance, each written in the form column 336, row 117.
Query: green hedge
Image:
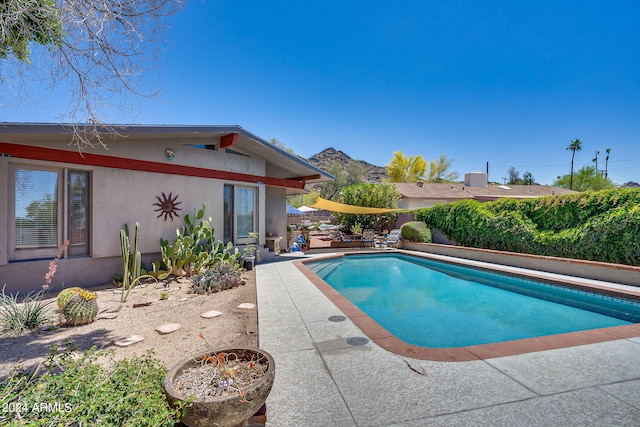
column 598, row 226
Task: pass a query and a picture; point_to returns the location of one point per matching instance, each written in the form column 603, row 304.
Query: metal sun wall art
column 167, row 206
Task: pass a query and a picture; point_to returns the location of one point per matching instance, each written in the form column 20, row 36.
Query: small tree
column 585, row 179
column 406, row 169
column 99, row 47
column 576, row 145
column 438, row 170
column 345, row 175
column 372, row 196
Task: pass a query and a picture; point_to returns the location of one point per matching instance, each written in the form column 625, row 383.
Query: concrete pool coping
column 388, row 341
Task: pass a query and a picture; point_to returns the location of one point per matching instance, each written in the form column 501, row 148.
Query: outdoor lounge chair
column 367, row 238
column 393, row 238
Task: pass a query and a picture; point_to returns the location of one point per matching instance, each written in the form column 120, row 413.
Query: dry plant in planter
column 225, row 387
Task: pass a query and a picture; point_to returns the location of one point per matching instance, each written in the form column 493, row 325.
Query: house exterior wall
column 406, row 203
column 120, row 196
column 276, row 218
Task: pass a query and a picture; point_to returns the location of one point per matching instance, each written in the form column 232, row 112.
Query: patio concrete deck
column 321, row 380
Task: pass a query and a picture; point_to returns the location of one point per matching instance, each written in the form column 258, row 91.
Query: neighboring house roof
column 457, row 191
column 280, row 164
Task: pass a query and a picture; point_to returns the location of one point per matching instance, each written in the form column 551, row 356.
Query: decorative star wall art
column 167, row 206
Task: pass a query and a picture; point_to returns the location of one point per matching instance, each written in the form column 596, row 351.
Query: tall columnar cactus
column 131, row 261
column 78, row 306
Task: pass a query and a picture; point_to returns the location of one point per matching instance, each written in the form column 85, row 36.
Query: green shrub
column 82, row 391
column 416, row 231
column 599, row 226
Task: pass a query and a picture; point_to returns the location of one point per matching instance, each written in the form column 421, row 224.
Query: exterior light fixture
column 170, row 153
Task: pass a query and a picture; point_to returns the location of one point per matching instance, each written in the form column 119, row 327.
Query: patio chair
column 367, row 238
column 393, row 238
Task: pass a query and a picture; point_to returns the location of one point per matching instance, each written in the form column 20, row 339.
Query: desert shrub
column 17, row 317
column 218, row 278
column 416, row 231
column 86, row 391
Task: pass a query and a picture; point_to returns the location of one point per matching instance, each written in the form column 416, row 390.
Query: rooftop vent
column 475, row 179
column 419, row 183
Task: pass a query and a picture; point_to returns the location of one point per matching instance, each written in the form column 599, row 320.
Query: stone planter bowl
column 222, row 411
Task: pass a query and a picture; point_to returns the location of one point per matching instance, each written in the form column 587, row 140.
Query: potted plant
column 249, row 252
column 221, row 387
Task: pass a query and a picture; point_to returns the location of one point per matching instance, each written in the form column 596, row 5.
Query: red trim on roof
column 88, row 159
column 228, row 140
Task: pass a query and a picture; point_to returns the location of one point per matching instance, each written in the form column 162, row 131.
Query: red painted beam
column 88, row 159
column 228, row 140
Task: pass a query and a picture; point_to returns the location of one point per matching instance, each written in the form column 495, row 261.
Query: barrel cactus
column 78, row 306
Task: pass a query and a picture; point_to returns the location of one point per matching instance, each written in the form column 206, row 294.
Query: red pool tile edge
column 390, row 342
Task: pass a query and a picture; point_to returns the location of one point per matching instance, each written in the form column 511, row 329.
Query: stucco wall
column 122, row 196
column 276, row 218
column 419, row 203
column 623, row 274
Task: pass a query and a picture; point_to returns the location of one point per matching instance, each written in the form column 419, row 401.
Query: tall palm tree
column 596, row 160
column 576, row 145
column 606, row 163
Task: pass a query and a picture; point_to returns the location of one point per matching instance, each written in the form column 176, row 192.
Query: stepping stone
column 247, row 305
column 167, row 328
column 113, row 309
column 107, row 316
column 211, row 314
column 126, row 342
column 184, row 299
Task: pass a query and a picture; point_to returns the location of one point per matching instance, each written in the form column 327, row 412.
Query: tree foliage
column 438, row 170
column 576, row 145
column 25, row 21
column 345, row 176
column 100, row 48
column 406, row 169
column 585, row 179
column 372, row 196
column 514, row 177
column 593, row 225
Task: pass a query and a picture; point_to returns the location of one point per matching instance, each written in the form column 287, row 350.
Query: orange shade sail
column 329, row 205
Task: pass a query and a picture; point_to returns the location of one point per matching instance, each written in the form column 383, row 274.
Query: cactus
column 132, row 272
column 65, row 295
column 78, row 306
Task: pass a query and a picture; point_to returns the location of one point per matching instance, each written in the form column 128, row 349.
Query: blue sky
column 509, row 83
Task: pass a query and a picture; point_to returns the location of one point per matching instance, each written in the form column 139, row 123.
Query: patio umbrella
column 293, row 211
column 305, row 209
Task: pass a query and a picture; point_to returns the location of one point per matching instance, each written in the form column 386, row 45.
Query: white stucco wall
column 120, row 196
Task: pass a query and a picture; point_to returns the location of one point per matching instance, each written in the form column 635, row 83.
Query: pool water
column 437, row 304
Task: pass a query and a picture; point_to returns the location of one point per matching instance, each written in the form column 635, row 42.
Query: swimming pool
column 436, row 304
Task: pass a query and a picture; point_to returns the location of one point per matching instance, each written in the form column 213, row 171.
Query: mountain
column 330, row 156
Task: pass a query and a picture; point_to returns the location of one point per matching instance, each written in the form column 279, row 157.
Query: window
column 38, row 226
column 245, row 211
column 228, row 213
column 79, row 220
column 239, row 213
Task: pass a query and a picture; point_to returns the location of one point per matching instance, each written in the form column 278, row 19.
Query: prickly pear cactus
column 78, row 306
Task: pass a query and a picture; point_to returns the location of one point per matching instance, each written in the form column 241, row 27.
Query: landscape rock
column 167, row 328
column 211, row 314
column 126, row 342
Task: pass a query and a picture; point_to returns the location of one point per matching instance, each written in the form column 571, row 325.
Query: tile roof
column 455, row 191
